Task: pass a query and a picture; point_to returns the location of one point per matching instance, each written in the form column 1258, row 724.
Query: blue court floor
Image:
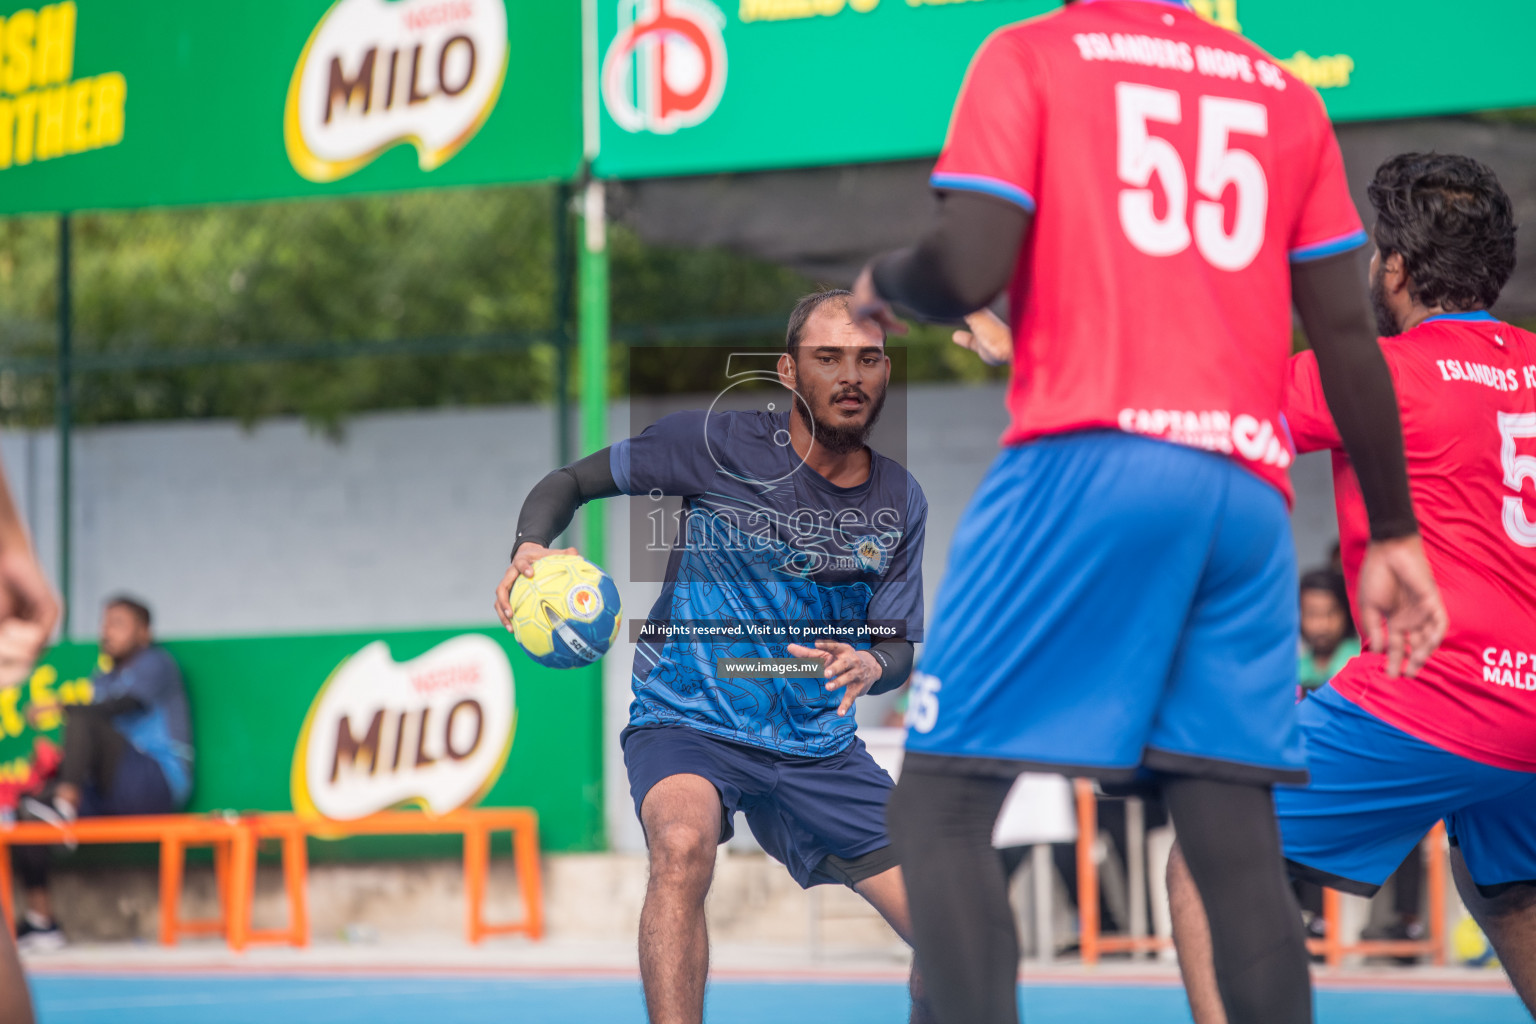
column 434, row 999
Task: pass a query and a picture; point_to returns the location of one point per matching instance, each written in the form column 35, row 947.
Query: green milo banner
column 107, row 103
column 337, row 727
column 701, row 86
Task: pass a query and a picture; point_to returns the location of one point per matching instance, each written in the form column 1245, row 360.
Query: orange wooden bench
column 1331, row 947
column 1090, row 938
column 174, row 833
column 475, row 824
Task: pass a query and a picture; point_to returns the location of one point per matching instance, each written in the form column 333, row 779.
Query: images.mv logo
column 665, row 68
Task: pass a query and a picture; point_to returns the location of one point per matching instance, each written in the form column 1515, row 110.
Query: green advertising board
column 108, row 103
column 702, row 86
column 113, row 103
column 338, row 726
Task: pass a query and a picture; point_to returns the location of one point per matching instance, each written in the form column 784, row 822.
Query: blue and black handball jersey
column 769, row 553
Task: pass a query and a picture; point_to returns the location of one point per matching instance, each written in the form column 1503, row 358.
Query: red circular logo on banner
column 665, row 69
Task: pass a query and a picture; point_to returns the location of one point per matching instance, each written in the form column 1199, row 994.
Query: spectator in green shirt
column 1328, row 638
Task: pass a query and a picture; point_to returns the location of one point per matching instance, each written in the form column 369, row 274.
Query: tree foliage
column 326, row 308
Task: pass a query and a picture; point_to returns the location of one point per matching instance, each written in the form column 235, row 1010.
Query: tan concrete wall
column 587, row 896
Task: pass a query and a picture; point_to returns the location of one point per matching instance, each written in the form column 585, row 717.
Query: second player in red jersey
column 1390, row 757
column 1466, row 386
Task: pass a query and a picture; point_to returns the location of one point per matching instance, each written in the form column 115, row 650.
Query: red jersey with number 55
column 1466, row 389
column 1174, row 171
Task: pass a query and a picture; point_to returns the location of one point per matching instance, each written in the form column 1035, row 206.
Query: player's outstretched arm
column 547, row 511
column 28, row 612
column 29, row 609
column 988, row 336
column 1399, row 602
column 553, row 502
column 958, row 266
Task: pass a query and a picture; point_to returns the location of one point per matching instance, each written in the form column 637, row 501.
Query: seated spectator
column 1328, row 638
column 127, row 752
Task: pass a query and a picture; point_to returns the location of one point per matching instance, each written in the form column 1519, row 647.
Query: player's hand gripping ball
column 567, row 614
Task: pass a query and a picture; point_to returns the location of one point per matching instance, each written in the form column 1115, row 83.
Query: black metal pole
column 562, row 324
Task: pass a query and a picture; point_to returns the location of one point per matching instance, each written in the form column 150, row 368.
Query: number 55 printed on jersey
column 1517, row 470
column 923, row 703
column 1217, row 165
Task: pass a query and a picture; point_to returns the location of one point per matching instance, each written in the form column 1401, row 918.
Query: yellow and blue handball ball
column 567, row 614
column 1471, row 946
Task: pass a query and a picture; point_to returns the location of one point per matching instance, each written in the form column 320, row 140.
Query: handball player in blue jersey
column 794, row 527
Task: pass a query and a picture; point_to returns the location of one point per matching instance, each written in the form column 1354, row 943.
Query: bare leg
column 1192, row 938
column 681, row 815
column 887, row 893
column 15, row 1003
column 1509, row 921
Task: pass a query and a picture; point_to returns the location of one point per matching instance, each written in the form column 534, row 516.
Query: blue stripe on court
column 341, row 999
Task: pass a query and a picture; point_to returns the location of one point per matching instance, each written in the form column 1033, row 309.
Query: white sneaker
column 59, row 813
column 33, row 938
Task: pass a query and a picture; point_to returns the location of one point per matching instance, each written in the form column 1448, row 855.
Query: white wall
column 406, row 521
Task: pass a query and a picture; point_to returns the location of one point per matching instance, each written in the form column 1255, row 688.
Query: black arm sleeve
column 1335, row 312
column 961, row 263
column 895, row 658
column 548, row 509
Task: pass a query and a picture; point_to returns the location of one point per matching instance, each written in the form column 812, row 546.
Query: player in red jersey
column 1387, row 759
column 1154, row 192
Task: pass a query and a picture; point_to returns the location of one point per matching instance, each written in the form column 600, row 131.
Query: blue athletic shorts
column 1114, row 602
column 1376, row 791
column 801, row 809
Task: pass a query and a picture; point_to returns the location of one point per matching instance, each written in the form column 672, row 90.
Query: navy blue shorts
column 1376, row 791
column 801, row 809
column 138, row 787
column 1114, row 602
